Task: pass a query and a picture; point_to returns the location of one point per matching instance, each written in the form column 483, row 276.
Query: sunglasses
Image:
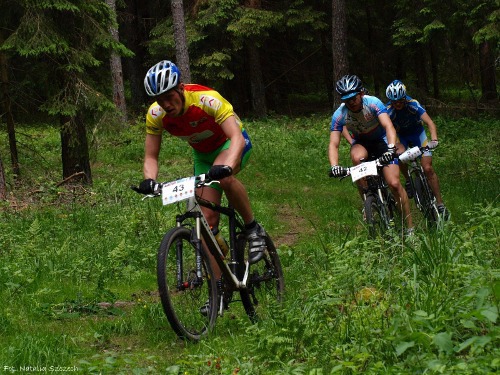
column 351, row 99
column 400, row 101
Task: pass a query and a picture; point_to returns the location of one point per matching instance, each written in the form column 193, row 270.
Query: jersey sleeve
column 377, row 105
column 215, row 105
column 390, row 111
column 415, row 107
column 154, row 117
column 338, row 120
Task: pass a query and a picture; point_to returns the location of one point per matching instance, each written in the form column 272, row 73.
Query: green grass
column 352, row 304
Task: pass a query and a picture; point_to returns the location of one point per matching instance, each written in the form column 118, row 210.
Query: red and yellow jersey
column 204, row 110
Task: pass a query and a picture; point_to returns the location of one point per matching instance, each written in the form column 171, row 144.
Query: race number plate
column 362, row 170
column 178, row 190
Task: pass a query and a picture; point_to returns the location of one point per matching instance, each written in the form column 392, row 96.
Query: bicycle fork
column 195, row 278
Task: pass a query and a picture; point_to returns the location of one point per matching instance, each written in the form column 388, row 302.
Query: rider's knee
column 227, row 183
column 394, row 185
column 428, row 170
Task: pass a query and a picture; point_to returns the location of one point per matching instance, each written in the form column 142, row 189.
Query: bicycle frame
column 196, row 278
column 203, row 231
column 415, row 171
column 377, row 186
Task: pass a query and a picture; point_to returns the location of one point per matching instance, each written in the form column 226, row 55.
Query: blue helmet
column 348, row 86
column 396, row 90
column 161, row 77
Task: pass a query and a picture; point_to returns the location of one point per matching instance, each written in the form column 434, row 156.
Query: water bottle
column 410, row 154
column 221, row 241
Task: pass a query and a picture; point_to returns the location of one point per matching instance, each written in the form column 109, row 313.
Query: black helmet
column 348, row 86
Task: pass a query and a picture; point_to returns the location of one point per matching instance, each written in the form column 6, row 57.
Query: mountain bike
column 185, row 274
column 379, row 205
column 423, row 195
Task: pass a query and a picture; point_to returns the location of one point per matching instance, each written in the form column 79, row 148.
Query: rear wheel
column 376, row 217
column 266, row 284
column 184, row 288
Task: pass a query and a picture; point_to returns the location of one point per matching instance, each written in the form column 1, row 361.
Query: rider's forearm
column 235, row 150
column 333, row 148
column 150, row 168
column 151, row 155
column 333, row 154
column 334, row 160
column 232, row 156
column 430, row 124
column 390, row 131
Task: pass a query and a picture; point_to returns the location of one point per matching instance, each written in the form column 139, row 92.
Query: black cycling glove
column 147, row 186
column 337, row 171
column 218, row 172
column 388, row 156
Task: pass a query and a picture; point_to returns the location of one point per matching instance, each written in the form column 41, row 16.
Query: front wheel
column 376, row 216
column 266, row 284
column 186, row 283
column 425, row 198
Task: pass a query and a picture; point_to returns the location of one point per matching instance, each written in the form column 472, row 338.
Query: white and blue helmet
column 161, row 77
column 396, row 90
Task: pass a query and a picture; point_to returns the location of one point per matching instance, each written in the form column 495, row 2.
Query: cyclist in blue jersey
column 373, row 136
column 408, row 117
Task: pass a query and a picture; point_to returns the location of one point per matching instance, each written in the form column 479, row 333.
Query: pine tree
column 62, row 46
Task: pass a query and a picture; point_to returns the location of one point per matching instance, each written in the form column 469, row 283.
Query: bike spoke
column 185, row 287
column 376, row 216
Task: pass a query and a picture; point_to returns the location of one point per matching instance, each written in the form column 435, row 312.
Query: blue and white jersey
column 407, row 120
column 363, row 125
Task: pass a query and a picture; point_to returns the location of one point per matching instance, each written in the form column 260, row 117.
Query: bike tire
column 425, row 198
column 266, row 283
column 395, row 218
column 376, row 216
column 182, row 299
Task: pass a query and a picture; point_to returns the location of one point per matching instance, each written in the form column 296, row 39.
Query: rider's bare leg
column 432, row 178
column 391, row 175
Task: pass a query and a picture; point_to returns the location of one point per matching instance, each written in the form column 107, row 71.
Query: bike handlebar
column 412, row 153
column 346, row 171
column 203, row 179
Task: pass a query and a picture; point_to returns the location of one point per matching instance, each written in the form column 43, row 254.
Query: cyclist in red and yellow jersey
column 207, row 121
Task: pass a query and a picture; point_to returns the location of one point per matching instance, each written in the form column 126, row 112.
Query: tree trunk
column 420, row 71
column 134, row 69
column 339, row 43
column 11, row 130
column 326, row 58
column 257, row 88
column 181, row 46
column 115, row 63
column 74, row 150
column 3, row 185
column 434, row 69
column 487, row 68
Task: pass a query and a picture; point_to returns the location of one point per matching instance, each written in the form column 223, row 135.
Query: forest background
column 73, row 236
column 72, row 63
